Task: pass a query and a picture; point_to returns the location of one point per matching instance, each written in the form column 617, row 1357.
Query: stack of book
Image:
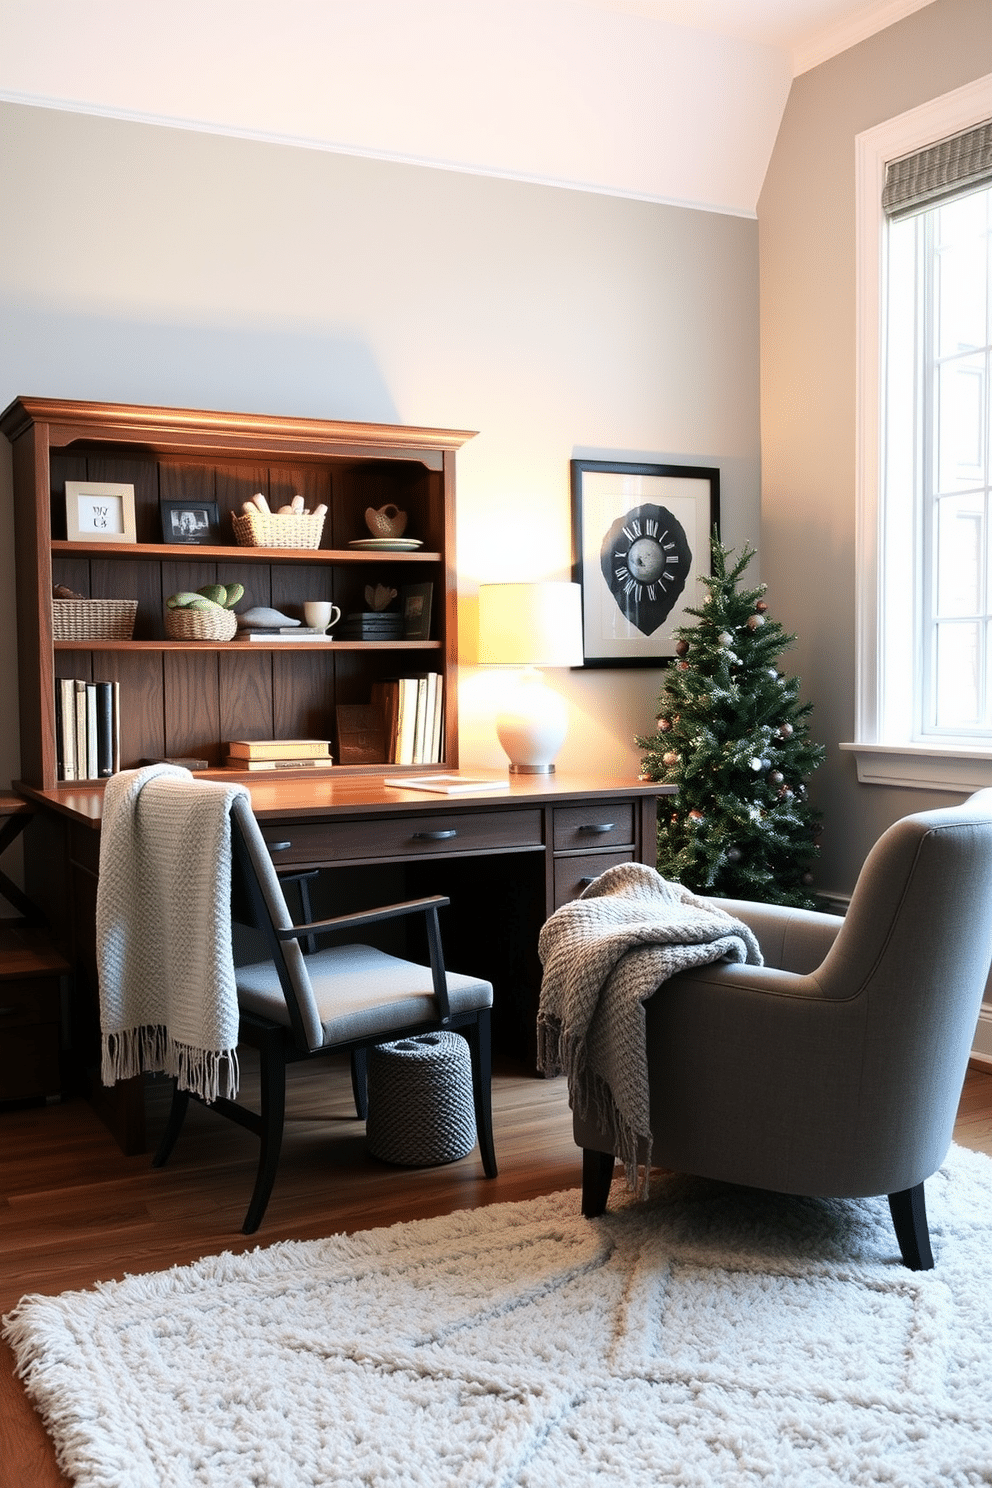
column 279, row 754
column 372, row 625
column 412, row 710
column 87, row 728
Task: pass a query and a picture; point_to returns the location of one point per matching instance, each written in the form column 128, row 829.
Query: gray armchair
column 835, row 1069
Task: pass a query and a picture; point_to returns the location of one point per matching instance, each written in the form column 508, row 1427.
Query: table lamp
column 530, row 626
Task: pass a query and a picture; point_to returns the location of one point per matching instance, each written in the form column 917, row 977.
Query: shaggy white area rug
column 713, row 1336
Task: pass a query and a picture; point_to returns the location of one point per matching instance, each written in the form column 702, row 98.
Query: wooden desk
column 507, row 859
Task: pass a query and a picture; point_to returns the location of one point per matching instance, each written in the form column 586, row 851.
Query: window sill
column 923, row 766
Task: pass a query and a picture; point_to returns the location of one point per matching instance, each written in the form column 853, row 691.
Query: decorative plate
column 387, row 544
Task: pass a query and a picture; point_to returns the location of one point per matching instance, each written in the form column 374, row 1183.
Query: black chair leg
column 173, row 1125
column 597, row 1175
column 909, row 1216
column 360, row 1082
column 480, row 1046
column 273, row 1108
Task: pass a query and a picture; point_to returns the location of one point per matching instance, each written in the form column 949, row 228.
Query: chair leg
column 597, row 1175
column 360, row 1082
column 480, row 1046
column 273, row 1108
column 909, row 1216
column 173, row 1125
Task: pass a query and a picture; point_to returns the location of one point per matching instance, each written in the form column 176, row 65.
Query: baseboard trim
column 981, row 1048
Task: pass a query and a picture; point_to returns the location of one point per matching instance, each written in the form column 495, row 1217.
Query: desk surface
column 359, row 795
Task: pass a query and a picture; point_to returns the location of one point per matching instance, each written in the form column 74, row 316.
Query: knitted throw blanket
column 603, row 955
column 168, row 997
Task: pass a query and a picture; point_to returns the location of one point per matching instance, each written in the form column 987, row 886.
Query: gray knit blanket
column 168, row 996
column 603, row 955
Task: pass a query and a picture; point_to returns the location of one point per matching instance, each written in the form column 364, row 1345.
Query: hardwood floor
column 73, row 1210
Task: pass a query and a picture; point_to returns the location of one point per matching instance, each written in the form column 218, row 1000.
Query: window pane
column 960, row 544
column 960, row 432
column 961, row 277
column 958, row 676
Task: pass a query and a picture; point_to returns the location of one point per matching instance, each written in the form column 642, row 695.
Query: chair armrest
column 795, row 940
column 365, row 917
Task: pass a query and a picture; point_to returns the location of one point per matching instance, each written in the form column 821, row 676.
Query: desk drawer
column 439, row 835
column 598, row 824
column 573, row 874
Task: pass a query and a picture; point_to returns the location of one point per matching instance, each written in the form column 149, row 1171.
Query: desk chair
column 343, row 998
column 835, row 1069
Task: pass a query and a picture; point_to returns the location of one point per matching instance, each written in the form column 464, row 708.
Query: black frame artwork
column 640, row 542
column 201, row 528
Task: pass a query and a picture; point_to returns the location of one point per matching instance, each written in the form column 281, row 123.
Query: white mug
column 320, row 614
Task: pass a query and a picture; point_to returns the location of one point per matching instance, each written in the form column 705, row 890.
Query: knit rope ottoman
column 421, row 1110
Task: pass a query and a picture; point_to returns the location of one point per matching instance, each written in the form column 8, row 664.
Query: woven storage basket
column 214, row 624
column 258, row 529
column 421, row 1107
column 93, row 619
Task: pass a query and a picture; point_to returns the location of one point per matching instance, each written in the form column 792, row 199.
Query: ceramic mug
column 320, row 614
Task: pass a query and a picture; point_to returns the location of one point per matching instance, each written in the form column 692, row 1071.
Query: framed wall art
column 641, row 540
column 99, row 511
column 190, row 522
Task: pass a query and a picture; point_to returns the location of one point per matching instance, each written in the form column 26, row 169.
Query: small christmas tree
column 733, row 736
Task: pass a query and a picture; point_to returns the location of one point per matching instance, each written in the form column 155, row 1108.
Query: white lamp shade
column 530, row 624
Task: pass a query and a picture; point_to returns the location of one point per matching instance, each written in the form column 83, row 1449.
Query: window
column 924, row 712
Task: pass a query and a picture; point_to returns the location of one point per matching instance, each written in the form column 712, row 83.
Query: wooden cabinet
column 189, row 698
column 32, row 983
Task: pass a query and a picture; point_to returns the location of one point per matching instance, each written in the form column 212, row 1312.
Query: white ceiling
column 663, row 100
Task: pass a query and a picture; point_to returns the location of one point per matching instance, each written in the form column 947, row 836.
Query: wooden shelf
column 283, row 647
column 232, row 553
column 178, row 699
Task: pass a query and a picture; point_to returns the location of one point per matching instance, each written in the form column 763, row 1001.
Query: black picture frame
column 190, row 522
column 661, row 516
column 415, row 601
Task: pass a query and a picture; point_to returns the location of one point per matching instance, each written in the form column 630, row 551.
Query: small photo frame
column 190, row 522
column 640, row 545
column 416, row 600
column 99, row 511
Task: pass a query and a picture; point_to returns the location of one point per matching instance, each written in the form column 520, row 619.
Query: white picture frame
column 99, row 511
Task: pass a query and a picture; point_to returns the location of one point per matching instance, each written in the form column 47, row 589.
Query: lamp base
column 532, row 725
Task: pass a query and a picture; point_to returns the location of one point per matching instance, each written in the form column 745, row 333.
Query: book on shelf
column 412, row 710
column 313, row 636
column 275, row 749
column 448, row 785
column 237, row 762
column 88, row 729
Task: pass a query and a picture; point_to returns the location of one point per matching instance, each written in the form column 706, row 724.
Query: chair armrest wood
column 365, row 917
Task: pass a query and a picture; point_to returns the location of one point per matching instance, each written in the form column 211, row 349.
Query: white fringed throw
column 168, row 996
column 603, row 955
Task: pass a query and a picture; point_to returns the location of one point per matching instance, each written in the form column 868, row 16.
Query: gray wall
column 145, row 264
column 807, row 267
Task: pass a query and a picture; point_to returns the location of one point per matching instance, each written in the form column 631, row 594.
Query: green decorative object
column 733, row 736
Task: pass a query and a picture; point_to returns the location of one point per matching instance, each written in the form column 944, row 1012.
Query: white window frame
column 885, row 760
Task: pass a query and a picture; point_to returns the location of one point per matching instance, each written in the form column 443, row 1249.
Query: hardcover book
column 275, row 749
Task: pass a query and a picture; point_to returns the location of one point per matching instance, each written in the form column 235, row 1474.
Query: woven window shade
column 940, row 171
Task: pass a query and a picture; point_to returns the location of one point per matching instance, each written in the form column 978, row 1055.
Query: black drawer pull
column 278, row 846
column 585, row 882
column 435, row 836
column 597, row 827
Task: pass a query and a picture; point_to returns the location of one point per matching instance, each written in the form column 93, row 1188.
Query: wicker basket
column 93, row 619
column 258, row 529
column 214, row 624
